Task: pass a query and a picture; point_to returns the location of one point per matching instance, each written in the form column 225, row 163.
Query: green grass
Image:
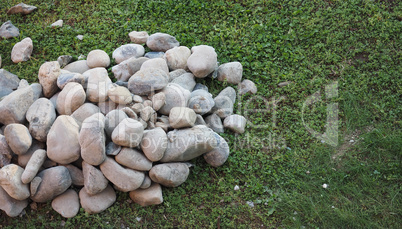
column 277, row 163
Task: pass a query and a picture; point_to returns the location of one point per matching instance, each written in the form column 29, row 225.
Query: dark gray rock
column 112, row 149
column 147, row 81
column 55, row 181
column 161, row 42
column 65, row 78
column 223, row 106
column 201, row 101
column 8, row 82
column 64, row 60
column 152, row 55
column 8, row 30
column 220, row 154
column 127, row 51
column 215, row 123
column 5, row 152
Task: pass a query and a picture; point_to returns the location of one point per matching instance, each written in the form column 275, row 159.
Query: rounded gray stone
column 18, row 138
column 67, row 204
column 92, row 139
column 70, row 98
column 169, row 174
column 55, row 181
column 235, row 123
column 22, row 50
column 48, row 73
column 149, row 196
column 99, row 202
column 35, row 162
column 185, row 80
column 98, row 58
column 128, row 133
column 154, row 143
column 133, row 159
column 219, row 155
column 10, row 181
column 230, row 72
column 176, row 57
column 175, row 96
column 148, row 80
column 161, row 42
column 127, row 51
column 202, row 61
column 94, row 180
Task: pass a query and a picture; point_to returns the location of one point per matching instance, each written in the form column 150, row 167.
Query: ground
column 283, row 159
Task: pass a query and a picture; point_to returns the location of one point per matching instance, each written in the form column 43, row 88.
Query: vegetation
column 278, row 164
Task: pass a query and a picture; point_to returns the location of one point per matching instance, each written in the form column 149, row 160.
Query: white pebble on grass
column 236, row 188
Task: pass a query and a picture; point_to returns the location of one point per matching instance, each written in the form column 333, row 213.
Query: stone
column 158, row 100
column 99, row 202
column 80, row 37
column 189, row 143
column 247, row 86
column 98, row 58
column 137, row 107
column 94, row 181
column 22, row 9
column 147, row 113
column 8, row 30
column 219, row 155
column 186, row 81
column 176, row 57
column 161, row 42
column 113, row 118
column 67, row 204
column 8, row 82
column 5, row 152
column 200, row 120
column 10, row 181
column 200, row 86
column 64, row 60
column 112, row 149
column 84, row 111
column 92, row 139
column 128, row 133
column 158, row 63
column 154, row 143
column 65, row 78
column 147, row 81
column 120, row 95
column 229, row 92
column 40, row 115
column 107, row 106
column 235, row 123
column 149, row 196
column 138, row 37
column 223, row 106
column 202, row 61
column 70, row 98
column 133, row 159
column 23, row 84
column 176, row 73
column 169, row 174
column 98, row 84
column 214, row 122
column 24, row 158
column 35, row 162
column 76, row 174
column 146, row 183
column 124, row 179
column 11, row 206
column 48, row 73
column 230, row 72
column 58, row 23
column 22, row 51
column 79, row 66
column 55, row 181
column 18, row 138
column 35, row 185
column 175, row 96
column 14, row 106
column 127, row 51
column 62, row 141
column 181, row 117
column 147, row 103
column 53, row 99
column 201, row 102
column 127, row 68
column 152, row 55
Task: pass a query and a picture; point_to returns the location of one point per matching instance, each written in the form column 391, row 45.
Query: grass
column 277, row 163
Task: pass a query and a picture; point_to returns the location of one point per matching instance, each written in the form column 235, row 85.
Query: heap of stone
column 77, row 130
